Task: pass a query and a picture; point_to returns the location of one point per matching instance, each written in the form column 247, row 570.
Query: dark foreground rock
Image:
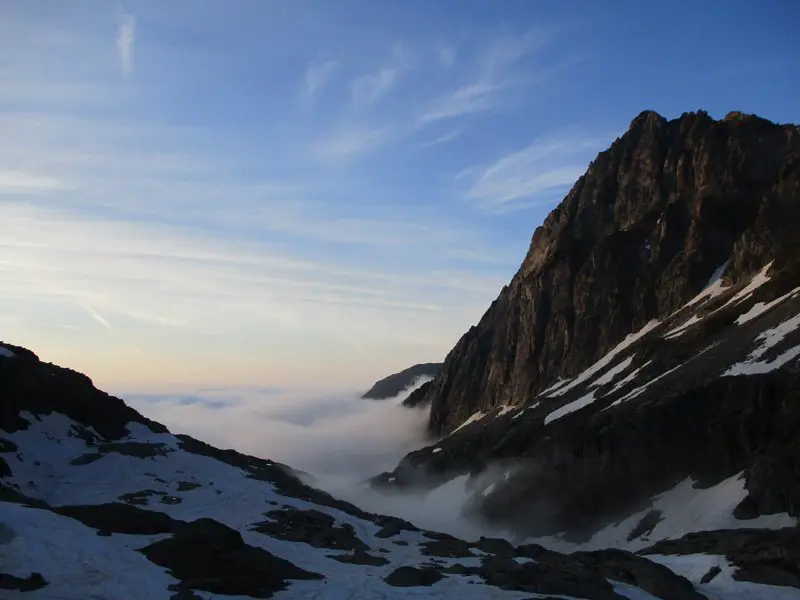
column 116, row 517
column 413, row 577
column 312, row 527
column 32, row 582
column 209, row 556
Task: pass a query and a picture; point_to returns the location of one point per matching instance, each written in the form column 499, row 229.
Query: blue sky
column 318, row 193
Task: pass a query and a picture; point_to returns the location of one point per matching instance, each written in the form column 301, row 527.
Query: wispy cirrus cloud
column 447, row 55
column 472, row 98
column 537, row 172
column 370, row 87
column 497, row 72
column 19, row 181
column 317, row 76
column 126, row 40
column 445, row 138
column 348, row 143
column 96, row 316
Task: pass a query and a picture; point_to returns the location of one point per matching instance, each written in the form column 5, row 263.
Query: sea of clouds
column 340, row 439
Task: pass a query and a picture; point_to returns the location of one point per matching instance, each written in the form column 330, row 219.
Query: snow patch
column 606, row 360
column 6, row 353
column 612, row 373
column 756, row 282
column 437, row 450
column 578, row 404
column 681, row 329
column 506, row 409
column 524, row 410
column 753, row 365
column 475, row 417
column 713, row 288
column 628, row 378
column 760, row 308
column 555, row 386
column 640, row 390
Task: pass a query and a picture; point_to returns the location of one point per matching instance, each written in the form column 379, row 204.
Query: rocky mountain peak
column 638, row 235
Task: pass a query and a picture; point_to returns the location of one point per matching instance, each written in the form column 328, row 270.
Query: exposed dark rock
column 533, row 551
column 183, row 594
column 762, row 556
column 413, row 577
column 187, row 486
column 86, row 459
column 391, row 526
column 312, row 527
column 419, row 397
column 537, row 578
column 359, row 557
column 140, row 498
column 34, row 581
column 447, row 548
column 10, row 494
column 391, row 386
column 712, row 573
column 7, row 446
column 42, row 388
column 496, row 546
column 646, row 525
column 135, row 449
column 116, row 517
column 209, row 556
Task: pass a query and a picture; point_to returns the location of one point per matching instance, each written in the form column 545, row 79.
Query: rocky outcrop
column 394, row 384
column 36, row 387
column 637, row 236
column 209, row 556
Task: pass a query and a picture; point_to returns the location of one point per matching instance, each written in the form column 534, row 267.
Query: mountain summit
column 644, row 358
column 640, row 234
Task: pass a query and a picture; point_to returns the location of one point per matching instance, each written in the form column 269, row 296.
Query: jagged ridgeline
column 647, row 347
column 638, row 236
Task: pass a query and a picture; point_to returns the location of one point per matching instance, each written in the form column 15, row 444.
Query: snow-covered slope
column 98, row 502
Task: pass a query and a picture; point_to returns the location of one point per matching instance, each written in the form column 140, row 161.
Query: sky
column 316, row 194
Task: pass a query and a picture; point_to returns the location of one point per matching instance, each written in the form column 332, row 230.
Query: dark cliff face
column 638, row 235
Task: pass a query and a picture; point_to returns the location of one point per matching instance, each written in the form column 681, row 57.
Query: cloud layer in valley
column 333, row 435
column 339, row 440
